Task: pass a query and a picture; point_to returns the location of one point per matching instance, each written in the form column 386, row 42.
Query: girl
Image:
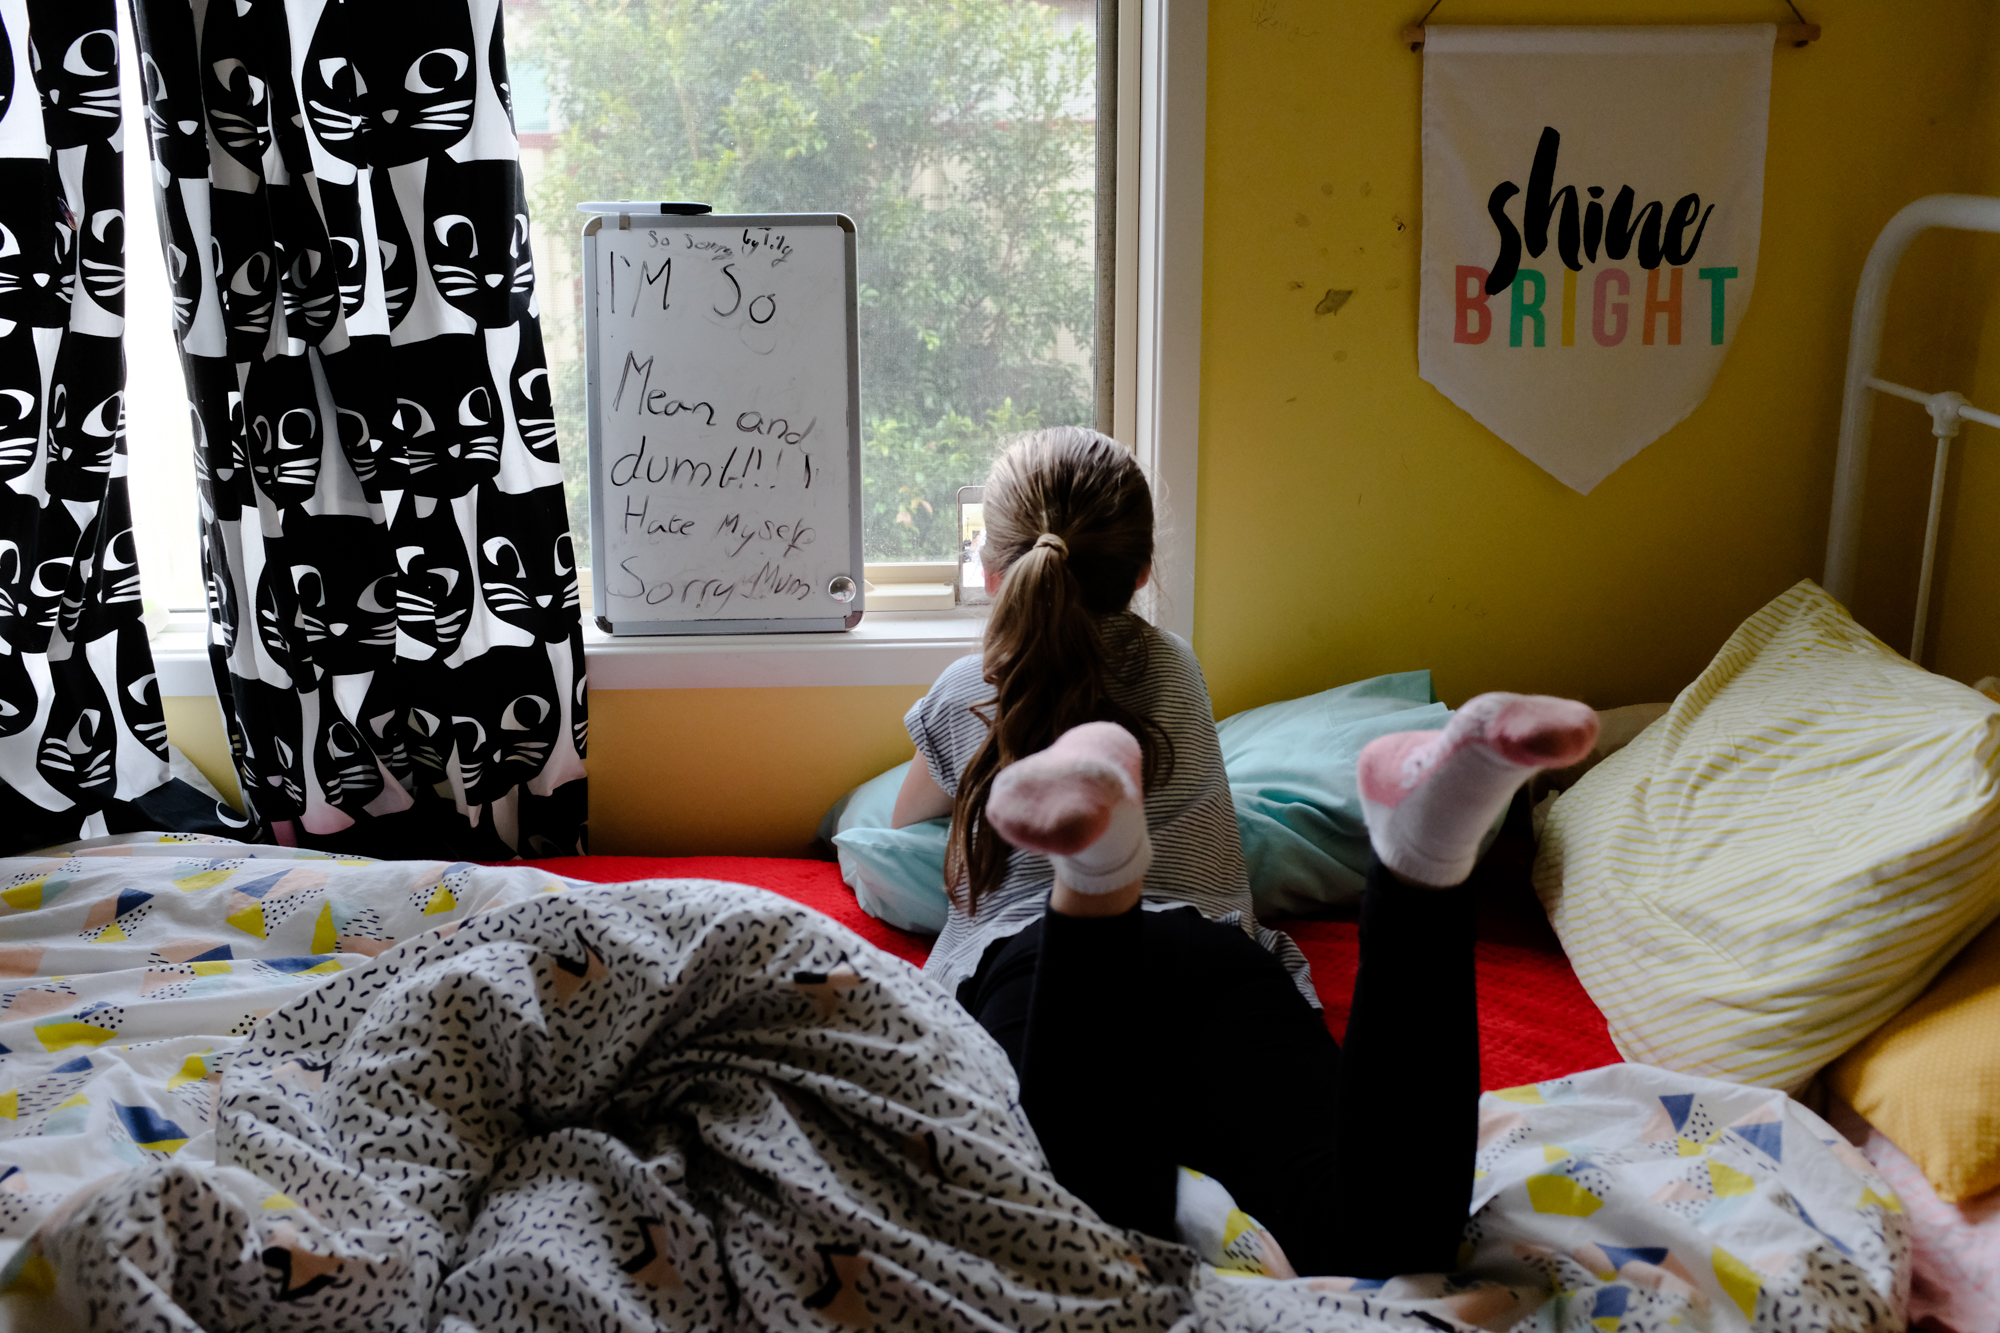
column 1101, row 928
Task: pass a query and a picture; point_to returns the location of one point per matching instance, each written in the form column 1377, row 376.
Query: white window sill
column 886, row 648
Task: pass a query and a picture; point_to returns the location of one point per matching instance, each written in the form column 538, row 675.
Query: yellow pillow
column 1930, row 1077
column 1782, row 862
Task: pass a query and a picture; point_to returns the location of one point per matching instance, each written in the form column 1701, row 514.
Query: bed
column 257, row 1085
column 1536, row 1022
column 253, row 1084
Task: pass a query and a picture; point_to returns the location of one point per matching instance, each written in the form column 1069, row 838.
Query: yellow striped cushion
column 1783, row 861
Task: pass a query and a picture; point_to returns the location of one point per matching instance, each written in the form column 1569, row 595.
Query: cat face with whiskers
column 105, row 590
column 382, row 725
column 446, row 426
column 346, row 238
column 527, row 567
column 139, row 690
column 361, row 382
column 219, row 587
column 414, row 77
column 15, row 283
column 275, row 610
column 32, row 276
column 18, row 521
column 345, row 617
column 101, row 593
column 348, row 775
column 335, row 95
column 434, row 590
column 502, row 720
column 307, row 278
column 183, row 263
column 285, row 433
column 75, row 65
column 86, row 416
column 20, row 402
column 101, row 243
column 236, row 68
column 173, row 106
column 222, row 460
column 534, row 409
column 79, row 746
column 45, row 538
column 274, row 776
column 62, row 287
column 479, row 259
column 246, row 271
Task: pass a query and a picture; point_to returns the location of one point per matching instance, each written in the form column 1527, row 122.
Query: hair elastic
column 1053, row 542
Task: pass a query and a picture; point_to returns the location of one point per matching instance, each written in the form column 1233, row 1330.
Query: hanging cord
column 1418, row 46
column 1801, row 18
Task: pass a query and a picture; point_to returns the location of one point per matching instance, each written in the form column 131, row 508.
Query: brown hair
column 1069, row 519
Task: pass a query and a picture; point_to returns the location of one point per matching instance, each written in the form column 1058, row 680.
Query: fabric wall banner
column 1592, row 202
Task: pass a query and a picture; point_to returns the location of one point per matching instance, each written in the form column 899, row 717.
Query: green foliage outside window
column 956, row 133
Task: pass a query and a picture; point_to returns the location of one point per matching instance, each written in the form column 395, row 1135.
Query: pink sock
column 1082, row 804
column 1430, row 796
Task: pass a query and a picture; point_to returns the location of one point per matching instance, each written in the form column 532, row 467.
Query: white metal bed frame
column 1966, row 212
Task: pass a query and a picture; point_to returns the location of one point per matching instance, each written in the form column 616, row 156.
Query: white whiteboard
column 725, row 422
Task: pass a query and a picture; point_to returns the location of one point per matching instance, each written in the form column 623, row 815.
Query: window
column 159, row 438
column 1019, row 108
column 960, row 136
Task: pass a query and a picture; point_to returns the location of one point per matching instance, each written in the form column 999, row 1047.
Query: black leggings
column 1156, row 1039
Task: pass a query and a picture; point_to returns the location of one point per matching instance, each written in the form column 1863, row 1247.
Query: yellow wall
column 1352, row 521
column 194, row 725
column 734, row 772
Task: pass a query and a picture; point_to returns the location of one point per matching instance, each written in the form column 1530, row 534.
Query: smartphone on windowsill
column 971, row 585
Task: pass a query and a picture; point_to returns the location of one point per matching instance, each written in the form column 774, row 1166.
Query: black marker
column 684, row 210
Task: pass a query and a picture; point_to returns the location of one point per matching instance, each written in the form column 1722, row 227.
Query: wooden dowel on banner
column 1789, row 34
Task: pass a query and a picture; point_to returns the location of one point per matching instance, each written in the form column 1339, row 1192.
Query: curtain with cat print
column 83, row 743
column 392, row 590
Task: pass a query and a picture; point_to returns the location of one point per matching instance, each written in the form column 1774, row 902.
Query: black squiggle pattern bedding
column 650, row 1106
column 683, row 1104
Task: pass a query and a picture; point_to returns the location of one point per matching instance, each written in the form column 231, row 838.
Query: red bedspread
column 1535, row 1021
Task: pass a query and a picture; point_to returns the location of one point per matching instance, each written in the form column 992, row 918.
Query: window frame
column 1155, row 336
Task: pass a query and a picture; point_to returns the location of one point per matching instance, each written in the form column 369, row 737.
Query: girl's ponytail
column 1069, row 517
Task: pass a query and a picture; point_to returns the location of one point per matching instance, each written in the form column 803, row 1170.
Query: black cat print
column 82, row 735
column 392, row 591
column 75, row 64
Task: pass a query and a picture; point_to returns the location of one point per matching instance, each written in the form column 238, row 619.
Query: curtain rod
column 1789, row 34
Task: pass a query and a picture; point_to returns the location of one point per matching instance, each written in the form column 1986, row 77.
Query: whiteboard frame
column 593, row 407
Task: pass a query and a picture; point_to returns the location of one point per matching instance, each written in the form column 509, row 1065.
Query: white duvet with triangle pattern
column 251, row 1087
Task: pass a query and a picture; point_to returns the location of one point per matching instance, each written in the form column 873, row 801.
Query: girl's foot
column 1082, row 804
column 1430, row 796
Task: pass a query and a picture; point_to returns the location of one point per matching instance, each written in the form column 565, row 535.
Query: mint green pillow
column 1291, row 776
column 1298, row 806
column 897, row 874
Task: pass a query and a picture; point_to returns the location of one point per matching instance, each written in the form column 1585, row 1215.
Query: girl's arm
column 921, row 798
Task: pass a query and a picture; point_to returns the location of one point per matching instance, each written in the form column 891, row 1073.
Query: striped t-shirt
column 1197, row 851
